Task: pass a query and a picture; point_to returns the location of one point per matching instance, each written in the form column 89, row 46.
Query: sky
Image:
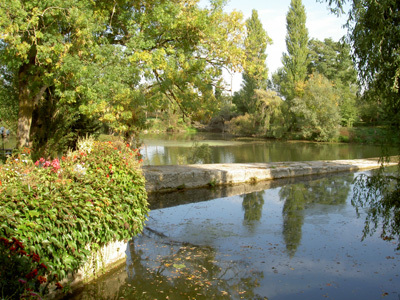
column 321, row 24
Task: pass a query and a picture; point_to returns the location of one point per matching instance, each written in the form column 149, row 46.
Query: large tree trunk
column 27, row 101
column 26, row 106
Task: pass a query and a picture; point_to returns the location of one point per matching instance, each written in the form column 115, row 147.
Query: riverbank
column 176, row 177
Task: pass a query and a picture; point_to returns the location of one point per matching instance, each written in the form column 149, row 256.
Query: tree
column 316, row 110
column 113, row 61
column 375, row 39
column 255, row 75
column 333, row 60
column 270, row 120
column 295, row 60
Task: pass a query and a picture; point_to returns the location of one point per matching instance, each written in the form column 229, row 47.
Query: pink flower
column 37, row 163
column 56, row 165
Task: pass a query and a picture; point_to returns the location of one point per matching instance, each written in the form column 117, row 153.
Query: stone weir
column 166, row 178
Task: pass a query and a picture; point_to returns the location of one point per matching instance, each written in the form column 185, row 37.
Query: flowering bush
column 25, row 276
column 60, row 208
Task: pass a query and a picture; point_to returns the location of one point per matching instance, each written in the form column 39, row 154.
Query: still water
column 172, row 149
column 288, row 239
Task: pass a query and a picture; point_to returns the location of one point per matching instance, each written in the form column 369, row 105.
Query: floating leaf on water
column 180, row 266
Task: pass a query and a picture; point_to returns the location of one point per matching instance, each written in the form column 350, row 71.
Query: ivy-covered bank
column 54, row 213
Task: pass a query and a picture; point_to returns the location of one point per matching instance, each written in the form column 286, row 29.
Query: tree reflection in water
column 253, row 205
column 158, row 265
column 298, row 197
column 379, row 196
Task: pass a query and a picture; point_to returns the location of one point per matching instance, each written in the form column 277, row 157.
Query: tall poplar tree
column 255, row 73
column 295, row 60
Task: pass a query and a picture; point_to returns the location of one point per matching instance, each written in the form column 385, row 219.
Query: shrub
column 243, row 125
column 61, row 209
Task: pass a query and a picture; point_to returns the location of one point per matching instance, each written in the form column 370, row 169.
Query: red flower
column 127, row 145
column 32, row 274
column 43, row 266
column 58, row 286
column 5, row 241
column 17, row 244
column 35, row 257
column 22, row 252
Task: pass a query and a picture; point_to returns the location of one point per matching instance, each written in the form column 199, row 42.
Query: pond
column 287, row 239
column 173, row 149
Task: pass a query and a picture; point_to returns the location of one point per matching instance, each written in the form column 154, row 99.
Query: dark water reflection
column 292, row 239
column 174, row 149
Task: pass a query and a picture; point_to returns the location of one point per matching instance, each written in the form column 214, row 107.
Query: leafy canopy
column 115, row 61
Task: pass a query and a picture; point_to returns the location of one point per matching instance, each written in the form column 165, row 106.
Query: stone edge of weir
column 176, row 177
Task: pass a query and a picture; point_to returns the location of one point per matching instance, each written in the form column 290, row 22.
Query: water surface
column 297, row 239
column 172, row 149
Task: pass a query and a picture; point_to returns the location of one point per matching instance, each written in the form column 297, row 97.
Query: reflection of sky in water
column 328, row 261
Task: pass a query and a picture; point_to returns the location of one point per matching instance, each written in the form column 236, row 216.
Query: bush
column 243, row 125
column 62, row 209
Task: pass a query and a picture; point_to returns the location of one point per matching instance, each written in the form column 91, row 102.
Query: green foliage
column 295, row 61
column 333, row 60
column 316, row 110
column 63, row 209
column 116, row 61
column 255, row 73
column 270, row 114
column 373, row 135
column 8, row 100
column 374, row 37
column 244, row 125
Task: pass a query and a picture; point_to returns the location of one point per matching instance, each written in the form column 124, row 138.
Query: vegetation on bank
column 60, row 211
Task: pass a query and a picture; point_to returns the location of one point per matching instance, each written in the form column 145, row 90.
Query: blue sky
column 321, row 24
